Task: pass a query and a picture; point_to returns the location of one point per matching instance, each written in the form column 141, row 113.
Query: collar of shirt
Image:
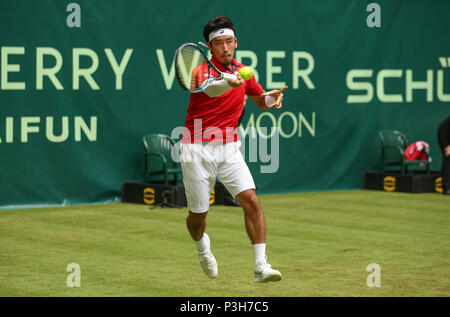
column 234, row 64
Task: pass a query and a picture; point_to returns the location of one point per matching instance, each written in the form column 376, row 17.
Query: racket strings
column 188, row 60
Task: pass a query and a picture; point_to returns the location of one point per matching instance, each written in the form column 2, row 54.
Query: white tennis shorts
column 203, row 163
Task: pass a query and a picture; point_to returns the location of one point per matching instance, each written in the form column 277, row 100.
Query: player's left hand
column 278, row 96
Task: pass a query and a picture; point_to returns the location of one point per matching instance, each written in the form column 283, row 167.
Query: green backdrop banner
column 82, row 82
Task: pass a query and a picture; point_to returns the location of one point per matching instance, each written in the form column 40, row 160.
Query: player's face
column 222, row 49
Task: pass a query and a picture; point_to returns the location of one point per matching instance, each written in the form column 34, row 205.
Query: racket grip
column 229, row 77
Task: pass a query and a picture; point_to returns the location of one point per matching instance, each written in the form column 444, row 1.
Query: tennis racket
column 194, row 71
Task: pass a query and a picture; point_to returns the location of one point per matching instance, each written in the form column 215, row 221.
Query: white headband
column 220, row 32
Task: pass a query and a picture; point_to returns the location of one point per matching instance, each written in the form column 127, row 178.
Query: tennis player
column 209, row 150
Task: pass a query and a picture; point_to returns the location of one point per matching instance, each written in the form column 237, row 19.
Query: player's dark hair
column 216, row 23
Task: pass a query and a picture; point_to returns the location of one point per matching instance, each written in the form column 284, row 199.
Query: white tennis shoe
column 208, row 261
column 264, row 273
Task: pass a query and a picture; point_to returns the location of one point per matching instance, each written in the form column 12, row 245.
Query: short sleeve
column 253, row 88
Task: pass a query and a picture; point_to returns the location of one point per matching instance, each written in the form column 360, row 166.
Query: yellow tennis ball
column 246, row 72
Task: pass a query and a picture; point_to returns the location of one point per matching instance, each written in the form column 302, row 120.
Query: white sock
column 202, row 244
column 260, row 252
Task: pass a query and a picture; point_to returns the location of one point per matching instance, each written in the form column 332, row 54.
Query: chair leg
column 145, row 169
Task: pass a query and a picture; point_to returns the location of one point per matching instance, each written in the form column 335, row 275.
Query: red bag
column 417, row 151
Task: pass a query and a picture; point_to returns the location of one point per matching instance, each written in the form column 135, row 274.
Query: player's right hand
column 237, row 82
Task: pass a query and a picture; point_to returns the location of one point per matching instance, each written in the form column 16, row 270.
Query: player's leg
column 198, row 200
column 198, row 184
column 236, row 177
column 255, row 223
column 196, row 223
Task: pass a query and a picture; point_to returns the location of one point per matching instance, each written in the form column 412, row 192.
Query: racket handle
column 229, row 77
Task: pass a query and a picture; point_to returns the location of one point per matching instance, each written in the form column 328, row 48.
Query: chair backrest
column 161, row 144
column 393, row 144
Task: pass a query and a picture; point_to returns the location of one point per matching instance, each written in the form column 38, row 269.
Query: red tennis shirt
column 216, row 118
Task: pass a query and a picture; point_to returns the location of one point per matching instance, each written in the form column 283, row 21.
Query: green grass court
column 321, row 242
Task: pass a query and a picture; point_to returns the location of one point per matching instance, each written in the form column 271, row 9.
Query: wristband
column 269, row 100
